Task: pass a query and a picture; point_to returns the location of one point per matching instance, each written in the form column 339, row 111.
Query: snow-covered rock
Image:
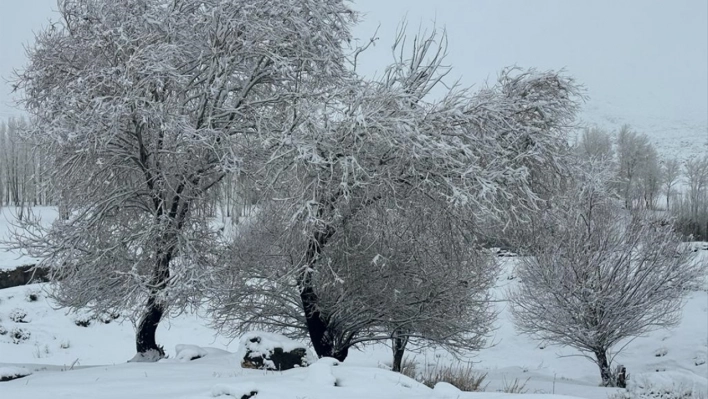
column 8, row 373
column 320, row 373
column 186, row 353
column 261, row 350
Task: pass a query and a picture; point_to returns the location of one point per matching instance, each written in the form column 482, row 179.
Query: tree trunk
column 605, row 372
column 145, row 343
column 316, row 327
column 399, row 348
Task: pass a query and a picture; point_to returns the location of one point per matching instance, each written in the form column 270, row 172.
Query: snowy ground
column 70, row 361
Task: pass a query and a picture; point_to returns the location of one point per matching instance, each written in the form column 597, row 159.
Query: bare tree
column 637, row 167
column 144, row 106
column 602, row 276
column 691, row 210
column 595, row 143
column 650, row 177
column 671, row 172
column 22, row 168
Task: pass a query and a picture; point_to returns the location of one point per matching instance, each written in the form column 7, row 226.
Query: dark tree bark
column 605, row 372
column 317, row 326
column 399, row 348
column 145, row 338
column 145, row 341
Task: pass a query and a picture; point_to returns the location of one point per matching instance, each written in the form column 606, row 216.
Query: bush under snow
column 272, row 352
column 11, row 373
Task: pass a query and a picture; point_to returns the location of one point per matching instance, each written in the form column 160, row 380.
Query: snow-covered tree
column 392, row 272
column 638, row 171
column 692, row 209
column 22, row 170
column 400, row 271
column 595, row 143
column 602, row 276
column 381, row 142
column 650, row 177
column 145, row 107
column 670, row 174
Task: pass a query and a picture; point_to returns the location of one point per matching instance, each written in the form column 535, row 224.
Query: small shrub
column 82, row 321
column 32, row 295
column 659, row 393
column 40, row 352
column 107, row 318
column 661, row 352
column 19, row 334
column 18, row 316
column 647, row 389
column 463, row 378
column 515, row 386
column 408, row 368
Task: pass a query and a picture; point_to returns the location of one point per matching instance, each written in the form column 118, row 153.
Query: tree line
column 23, row 173
column 370, row 200
column 642, row 176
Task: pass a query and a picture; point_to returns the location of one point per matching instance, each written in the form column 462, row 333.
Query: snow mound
column 444, row 390
column 242, row 390
column 8, row 373
column 320, row 373
column 186, row 353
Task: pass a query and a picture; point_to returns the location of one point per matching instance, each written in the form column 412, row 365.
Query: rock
column 268, row 351
column 22, row 275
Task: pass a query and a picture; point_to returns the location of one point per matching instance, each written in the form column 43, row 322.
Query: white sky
column 642, row 57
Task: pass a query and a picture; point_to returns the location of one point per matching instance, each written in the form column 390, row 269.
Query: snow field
column 89, row 362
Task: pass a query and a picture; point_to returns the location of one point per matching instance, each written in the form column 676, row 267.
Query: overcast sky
column 645, row 57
